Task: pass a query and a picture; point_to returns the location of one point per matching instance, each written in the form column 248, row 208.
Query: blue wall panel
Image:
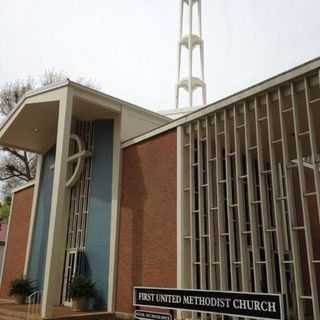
column 40, row 232
column 99, row 211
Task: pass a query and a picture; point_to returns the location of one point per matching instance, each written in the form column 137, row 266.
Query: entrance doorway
column 75, row 259
column 74, row 265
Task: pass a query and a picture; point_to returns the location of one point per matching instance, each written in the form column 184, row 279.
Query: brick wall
column 17, row 238
column 147, row 240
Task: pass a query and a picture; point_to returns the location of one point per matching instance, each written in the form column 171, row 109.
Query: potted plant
column 20, row 289
column 81, row 290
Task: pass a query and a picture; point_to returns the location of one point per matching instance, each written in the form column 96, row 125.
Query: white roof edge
column 181, row 110
column 283, row 77
column 33, row 93
column 119, row 101
column 61, row 84
column 25, row 186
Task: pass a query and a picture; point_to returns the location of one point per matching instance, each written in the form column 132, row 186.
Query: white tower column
column 58, row 217
column 191, row 41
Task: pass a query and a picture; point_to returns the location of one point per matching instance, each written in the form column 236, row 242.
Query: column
column 58, row 218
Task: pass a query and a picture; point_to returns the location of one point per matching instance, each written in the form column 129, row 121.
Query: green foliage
column 8, row 200
column 21, row 286
column 82, row 286
column 5, row 210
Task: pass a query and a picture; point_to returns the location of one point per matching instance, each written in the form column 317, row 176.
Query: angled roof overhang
column 32, row 125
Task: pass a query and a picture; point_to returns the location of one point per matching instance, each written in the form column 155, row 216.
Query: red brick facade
column 17, row 238
column 147, row 240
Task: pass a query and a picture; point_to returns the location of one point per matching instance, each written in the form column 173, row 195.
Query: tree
column 11, row 93
column 5, row 209
column 18, row 167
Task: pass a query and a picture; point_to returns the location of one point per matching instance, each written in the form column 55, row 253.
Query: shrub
column 82, row 286
column 21, row 286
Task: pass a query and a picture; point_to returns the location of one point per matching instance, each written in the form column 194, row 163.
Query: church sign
column 242, row 304
column 146, row 315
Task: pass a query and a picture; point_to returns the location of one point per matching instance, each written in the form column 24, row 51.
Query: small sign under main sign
column 243, row 304
column 146, row 315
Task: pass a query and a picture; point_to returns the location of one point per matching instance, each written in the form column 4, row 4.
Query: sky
column 129, row 48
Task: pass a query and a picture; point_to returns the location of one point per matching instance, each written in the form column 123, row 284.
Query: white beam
column 33, row 211
column 58, row 217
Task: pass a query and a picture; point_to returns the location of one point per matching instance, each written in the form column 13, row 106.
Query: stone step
column 15, row 315
column 6, row 317
column 93, row 316
column 12, row 314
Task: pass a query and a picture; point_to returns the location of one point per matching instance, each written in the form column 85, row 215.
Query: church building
column 223, row 198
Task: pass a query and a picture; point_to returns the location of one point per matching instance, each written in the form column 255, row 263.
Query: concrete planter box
column 80, row 304
column 19, row 298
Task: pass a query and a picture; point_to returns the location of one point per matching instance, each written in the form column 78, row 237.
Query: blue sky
column 130, row 47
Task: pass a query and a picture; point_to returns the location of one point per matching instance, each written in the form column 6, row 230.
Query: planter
column 20, row 289
column 80, row 304
column 19, row 298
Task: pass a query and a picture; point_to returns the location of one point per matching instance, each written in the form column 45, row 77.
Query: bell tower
column 190, row 39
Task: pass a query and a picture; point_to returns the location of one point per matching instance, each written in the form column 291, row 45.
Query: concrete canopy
column 32, row 125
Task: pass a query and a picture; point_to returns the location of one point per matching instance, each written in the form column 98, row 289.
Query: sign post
column 241, row 304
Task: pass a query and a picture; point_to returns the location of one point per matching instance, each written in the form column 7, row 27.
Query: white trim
column 58, row 219
column 116, row 170
column 34, row 207
column 180, row 111
column 305, row 164
column 180, row 258
column 30, row 94
column 33, row 96
column 25, row 186
column 304, row 206
column 294, row 237
column 118, row 101
column 271, row 215
column 6, row 243
column 78, row 157
column 232, row 99
column 180, row 201
column 75, row 85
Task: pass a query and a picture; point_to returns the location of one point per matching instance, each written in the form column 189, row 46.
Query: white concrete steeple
column 191, row 41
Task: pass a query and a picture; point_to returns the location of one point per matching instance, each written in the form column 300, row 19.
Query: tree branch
column 13, row 176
